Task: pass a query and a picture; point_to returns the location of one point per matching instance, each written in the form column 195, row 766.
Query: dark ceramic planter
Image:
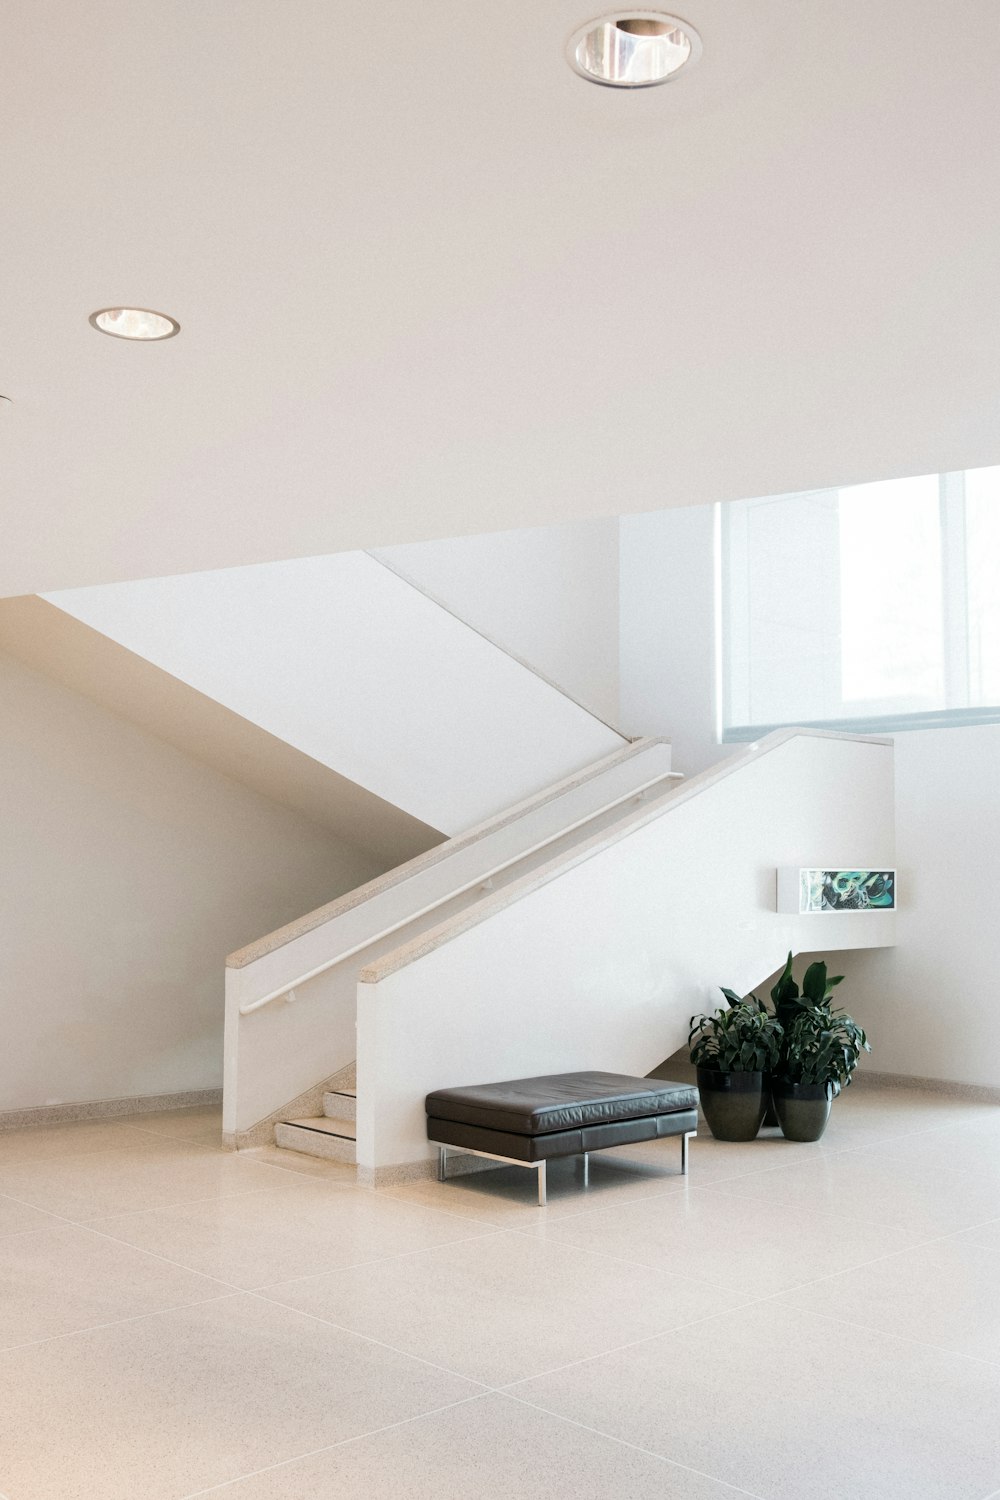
column 803, row 1108
column 733, row 1103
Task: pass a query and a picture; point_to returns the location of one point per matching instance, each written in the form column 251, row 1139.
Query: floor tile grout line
column 538, row 1374
column 361, row 1265
column 159, row 1312
column 649, row 1338
column 798, row 1208
column 234, row 1290
column 624, row 1260
column 480, row 1395
column 357, row 1437
column 155, row 1255
column 904, row 1338
column 785, row 1290
column 370, row 1339
column 130, row 1213
column 165, row 1207
column 119, row 1148
column 89, row 1226
column 709, row 1317
column 936, row 1239
column 635, row 1447
column 382, row 1260
column 553, row 1224
column 161, row 1208
column 691, row 1184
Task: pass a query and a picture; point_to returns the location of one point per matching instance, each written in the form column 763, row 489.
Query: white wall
column 930, row 1004
column 549, row 595
column 127, row 872
column 667, row 641
column 356, row 668
column 601, row 966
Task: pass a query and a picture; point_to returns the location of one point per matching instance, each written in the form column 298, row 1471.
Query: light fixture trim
column 651, row 58
column 140, row 325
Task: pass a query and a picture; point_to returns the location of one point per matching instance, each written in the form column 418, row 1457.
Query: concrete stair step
column 341, row 1104
column 333, row 1139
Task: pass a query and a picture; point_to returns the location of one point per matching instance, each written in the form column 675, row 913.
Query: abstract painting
column 847, row 890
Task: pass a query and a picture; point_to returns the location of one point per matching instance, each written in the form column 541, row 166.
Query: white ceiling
column 431, row 282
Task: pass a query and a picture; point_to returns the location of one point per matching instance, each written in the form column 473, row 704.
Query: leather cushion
column 560, row 1101
column 530, row 1148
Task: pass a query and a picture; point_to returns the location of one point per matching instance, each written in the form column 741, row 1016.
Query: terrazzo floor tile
column 17, row 1218
column 490, row 1448
column 168, row 1405
column 201, row 1123
column 875, row 1187
column 756, row 1249
column 151, row 1173
column 795, row 1407
column 289, row 1228
column 963, row 1148
column 37, row 1143
column 946, row 1293
column 500, row 1308
column 983, row 1234
column 55, row 1281
column 301, row 1165
column 711, row 1159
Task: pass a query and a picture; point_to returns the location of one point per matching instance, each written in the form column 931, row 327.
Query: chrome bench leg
column 586, row 1169
column 541, row 1184
column 687, row 1136
column 442, row 1160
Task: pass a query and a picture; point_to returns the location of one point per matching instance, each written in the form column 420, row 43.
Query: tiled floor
column 789, row 1323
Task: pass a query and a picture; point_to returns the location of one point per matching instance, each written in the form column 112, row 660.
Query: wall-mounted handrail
column 634, row 793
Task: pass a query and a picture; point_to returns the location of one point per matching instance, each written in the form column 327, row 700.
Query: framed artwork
column 809, row 892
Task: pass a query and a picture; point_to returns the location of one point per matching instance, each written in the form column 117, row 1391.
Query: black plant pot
column 803, row 1108
column 733, row 1103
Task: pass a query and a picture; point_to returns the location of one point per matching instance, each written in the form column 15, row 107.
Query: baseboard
column 106, row 1109
column 979, row 1092
column 460, row 1164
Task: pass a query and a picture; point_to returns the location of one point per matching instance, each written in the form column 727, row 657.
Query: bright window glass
column 870, row 605
column 982, row 546
column 891, row 641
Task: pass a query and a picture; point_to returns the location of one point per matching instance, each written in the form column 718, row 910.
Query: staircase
column 590, row 951
column 569, row 904
column 332, row 1135
column 272, row 1046
column 592, row 957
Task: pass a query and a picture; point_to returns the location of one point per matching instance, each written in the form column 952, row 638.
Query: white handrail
column 633, row 794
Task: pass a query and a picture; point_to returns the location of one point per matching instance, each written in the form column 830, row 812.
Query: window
column 868, row 607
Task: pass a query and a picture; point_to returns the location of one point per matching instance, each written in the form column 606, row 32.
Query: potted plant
column 819, row 1051
column 817, row 989
column 732, row 1050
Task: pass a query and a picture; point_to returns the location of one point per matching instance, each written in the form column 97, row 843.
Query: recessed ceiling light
column 633, row 49
column 134, row 323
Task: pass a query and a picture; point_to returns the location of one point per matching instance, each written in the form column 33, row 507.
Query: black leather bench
column 528, row 1121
